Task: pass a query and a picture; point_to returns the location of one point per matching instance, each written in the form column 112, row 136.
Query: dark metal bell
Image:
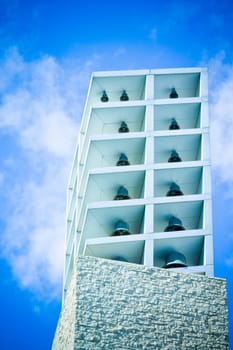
column 175, row 259
column 104, row 97
column 173, row 93
column 174, row 224
column 124, row 96
column 174, row 157
column 174, row 190
column 121, row 229
column 122, row 193
column 123, row 160
column 123, row 127
column 174, row 125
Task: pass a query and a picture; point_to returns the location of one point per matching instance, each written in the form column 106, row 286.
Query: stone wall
column 127, row 306
column 65, row 332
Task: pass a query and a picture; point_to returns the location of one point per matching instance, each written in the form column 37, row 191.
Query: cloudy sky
column 48, row 51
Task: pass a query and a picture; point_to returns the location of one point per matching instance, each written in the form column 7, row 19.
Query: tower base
column 122, row 306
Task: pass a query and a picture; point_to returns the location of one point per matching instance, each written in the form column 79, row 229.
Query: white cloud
column 221, row 126
column 40, row 108
column 218, row 72
column 54, row 132
column 221, row 87
column 34, row 241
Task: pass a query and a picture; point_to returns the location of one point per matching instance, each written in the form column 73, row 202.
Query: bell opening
column 174, row 193
column 124, row 96
column 174, row 265
column 174, row 228
column 174, row 260
column 174, row 224
column 121, row 232
column 122, row 193
column 104, row 97
column 121, row 229
column 121, row 196
column 123, row 160
column 174, row 157
column 174, row 125
column 173, row 93
column 123, row 128
column 174, row 190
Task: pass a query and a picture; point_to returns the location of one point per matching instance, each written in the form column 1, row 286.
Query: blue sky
column 48, row 51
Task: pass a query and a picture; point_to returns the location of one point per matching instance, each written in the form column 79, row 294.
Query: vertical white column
column 149, row 160
column 149, row 95
column 205, row 149
column 149, row 228
column 149, row 150
column 207, row 218
column 209, row 270
column 149, row 178
column 149, row 184
column 204, row 114
column 204, row 83
column 208, row 248
column 149, row 118
column 149, row 218
column 149, row 88
column 149, row 253
column 206, row 180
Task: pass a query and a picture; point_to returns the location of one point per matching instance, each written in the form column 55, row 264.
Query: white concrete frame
column 91, row 210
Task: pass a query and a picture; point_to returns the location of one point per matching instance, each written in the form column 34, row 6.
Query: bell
column 174, row 125
column 122, row 193
column 124, row 96
column 123, row 127
column 121, row 229
column 174, row 224
column 120, row 258
column 174, row 157
column 104, row 97
column 123, row 160
column 173, row 93
column 175, row 259
column 174, row 190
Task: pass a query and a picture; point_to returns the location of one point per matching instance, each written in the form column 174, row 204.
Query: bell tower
column 139, row 250
column 145, row 138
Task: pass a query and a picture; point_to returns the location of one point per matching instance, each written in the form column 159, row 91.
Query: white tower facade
column 140, row 185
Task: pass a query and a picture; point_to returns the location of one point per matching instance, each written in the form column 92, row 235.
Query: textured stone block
column 121, row 306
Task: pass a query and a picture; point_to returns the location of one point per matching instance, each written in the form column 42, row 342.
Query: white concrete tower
column 167, row 219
